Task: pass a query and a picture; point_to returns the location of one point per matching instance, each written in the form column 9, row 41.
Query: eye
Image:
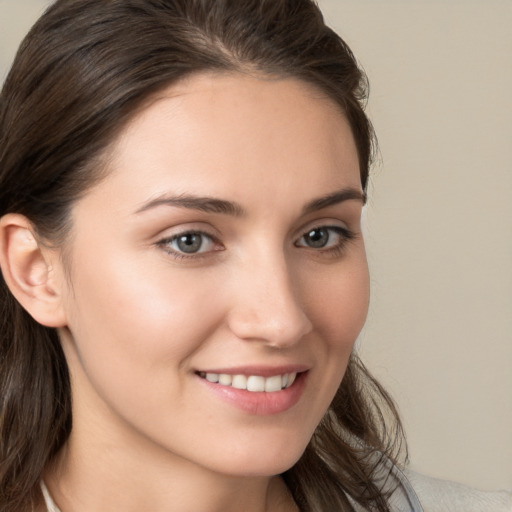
column 325, row 237
column 189, row 243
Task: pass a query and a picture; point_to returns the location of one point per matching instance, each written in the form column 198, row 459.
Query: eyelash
column 337, row 249
column 344, row 234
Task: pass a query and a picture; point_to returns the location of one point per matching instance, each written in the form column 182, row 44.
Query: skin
column 141, row 319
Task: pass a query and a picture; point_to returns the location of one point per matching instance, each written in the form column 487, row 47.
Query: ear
column 29, row 269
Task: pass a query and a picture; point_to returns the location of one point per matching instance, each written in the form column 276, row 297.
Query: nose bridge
column 268, row 306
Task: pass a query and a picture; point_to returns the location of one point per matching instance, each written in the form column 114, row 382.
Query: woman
column 184, row 275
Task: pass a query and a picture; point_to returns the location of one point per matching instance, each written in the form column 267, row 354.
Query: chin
column 263, row 461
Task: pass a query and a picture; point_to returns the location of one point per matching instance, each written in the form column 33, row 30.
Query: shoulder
column 436, row 495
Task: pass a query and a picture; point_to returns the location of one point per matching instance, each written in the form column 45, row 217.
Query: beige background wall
column 439, row 222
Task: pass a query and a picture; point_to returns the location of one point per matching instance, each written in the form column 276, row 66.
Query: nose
column 267, row 306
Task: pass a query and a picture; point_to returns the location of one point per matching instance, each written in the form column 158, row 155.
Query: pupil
column 317, row 238
column 189, row 243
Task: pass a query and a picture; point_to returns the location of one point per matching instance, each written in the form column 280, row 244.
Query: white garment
column 437, row 495
column 50, row 505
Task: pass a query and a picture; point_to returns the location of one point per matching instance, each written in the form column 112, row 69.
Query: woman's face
column 221, row 259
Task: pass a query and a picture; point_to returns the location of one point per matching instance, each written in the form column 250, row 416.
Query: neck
column 98, row 476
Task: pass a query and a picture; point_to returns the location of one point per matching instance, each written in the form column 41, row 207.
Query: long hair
column 85, row 68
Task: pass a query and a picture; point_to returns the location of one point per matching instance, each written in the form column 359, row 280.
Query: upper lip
column 262, row 371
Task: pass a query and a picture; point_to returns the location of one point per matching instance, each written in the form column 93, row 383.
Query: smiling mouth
column 253, row 383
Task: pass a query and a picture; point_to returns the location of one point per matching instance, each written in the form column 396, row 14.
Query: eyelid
column 339, row 230
column 171, row 231
column 325, row 222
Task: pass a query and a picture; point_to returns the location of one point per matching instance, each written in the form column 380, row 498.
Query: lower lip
column 260, row 403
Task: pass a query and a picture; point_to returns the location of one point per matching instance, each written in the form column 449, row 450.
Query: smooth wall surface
column 439, row 219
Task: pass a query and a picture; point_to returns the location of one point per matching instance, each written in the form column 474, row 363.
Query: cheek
column 135, row 330
column 136, row 300
column 128, row 321
column 338, row 311
column 339, row 306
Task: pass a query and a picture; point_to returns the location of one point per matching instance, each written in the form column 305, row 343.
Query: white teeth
column 239, row 382
column 254, row 383
column 225, row 379
column 273, row 383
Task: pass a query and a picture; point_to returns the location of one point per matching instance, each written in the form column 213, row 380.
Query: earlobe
column 28, row 269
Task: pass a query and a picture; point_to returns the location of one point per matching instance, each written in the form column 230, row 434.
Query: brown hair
column 82, row 71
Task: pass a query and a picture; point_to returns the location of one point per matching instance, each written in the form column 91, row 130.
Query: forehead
column 235, row 134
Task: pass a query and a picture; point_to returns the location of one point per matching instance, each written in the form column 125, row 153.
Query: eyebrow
column 204, row 204
column 340, row 196
column 214, row 205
